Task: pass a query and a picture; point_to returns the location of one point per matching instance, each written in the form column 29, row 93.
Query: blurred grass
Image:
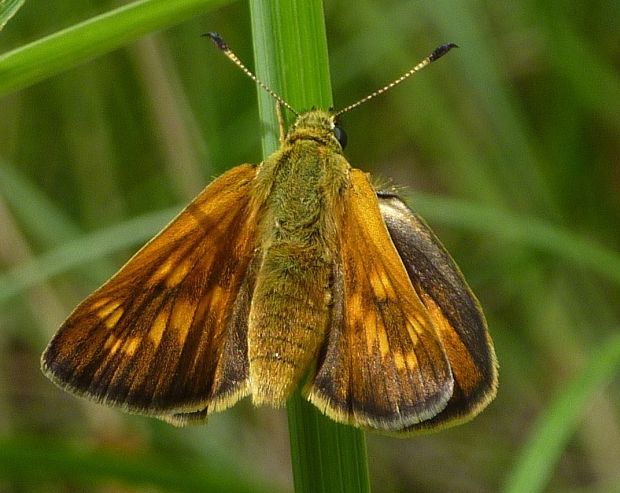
column 55, row 463
column 101, row 34
column 8, row 8
column 554, row 428
column 521, row 122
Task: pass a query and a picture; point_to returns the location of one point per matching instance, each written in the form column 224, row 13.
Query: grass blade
column 101, row 34
column 550, row 435
column 8, row 8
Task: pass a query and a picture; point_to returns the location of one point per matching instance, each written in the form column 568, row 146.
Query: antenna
column 435, row 55
column 221, row 44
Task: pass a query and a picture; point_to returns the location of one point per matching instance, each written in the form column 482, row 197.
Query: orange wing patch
column 153, row 338
column 384, row 365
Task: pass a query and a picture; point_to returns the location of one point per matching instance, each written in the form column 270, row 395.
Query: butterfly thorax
column 300, row 189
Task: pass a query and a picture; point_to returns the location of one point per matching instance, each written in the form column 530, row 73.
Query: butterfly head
column 321, row 126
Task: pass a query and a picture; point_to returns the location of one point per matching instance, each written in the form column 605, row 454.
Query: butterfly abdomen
column 287, row 323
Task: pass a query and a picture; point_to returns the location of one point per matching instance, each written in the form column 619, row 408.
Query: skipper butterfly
column 295, row 271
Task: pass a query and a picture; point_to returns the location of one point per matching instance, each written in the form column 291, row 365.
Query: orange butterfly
column 292, row 271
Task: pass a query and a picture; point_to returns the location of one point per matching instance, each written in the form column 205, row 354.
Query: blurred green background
column 509, row 147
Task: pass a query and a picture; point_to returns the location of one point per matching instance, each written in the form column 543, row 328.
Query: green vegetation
column 508, row 147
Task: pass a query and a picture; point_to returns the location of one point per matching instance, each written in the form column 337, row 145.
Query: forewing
column 166, row 335
column 453, row 308
column 383, row 366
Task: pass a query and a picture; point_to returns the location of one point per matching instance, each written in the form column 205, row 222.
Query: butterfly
column 292, row 273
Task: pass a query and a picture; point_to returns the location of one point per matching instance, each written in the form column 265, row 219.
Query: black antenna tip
column 218, row 40
column 441, row 51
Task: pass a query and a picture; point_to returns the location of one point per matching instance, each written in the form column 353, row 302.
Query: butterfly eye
column 341, row 136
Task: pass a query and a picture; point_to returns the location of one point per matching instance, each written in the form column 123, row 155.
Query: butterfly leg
column 281, row 123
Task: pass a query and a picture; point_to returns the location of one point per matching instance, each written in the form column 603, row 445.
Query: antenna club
column 223, row 46
column 218, row 40
column 441, row 51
